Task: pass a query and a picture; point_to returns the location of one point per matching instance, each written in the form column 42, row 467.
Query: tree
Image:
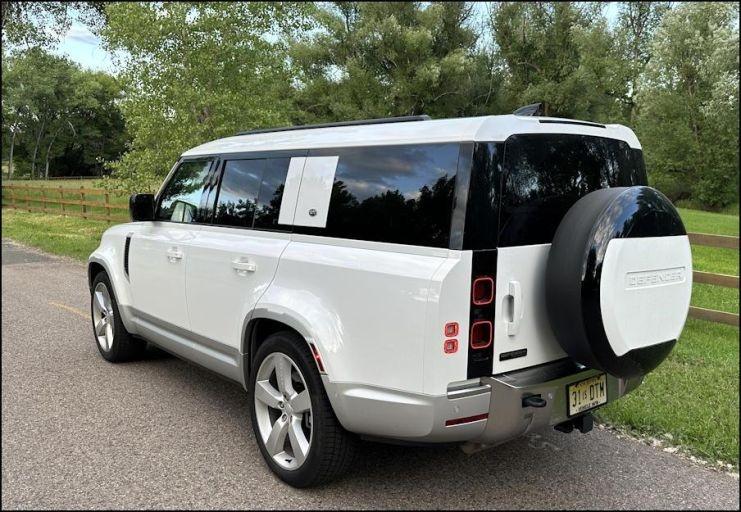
column 30, row 24
column 556, row 53
column 688, row 104
column 54, row 112
column 195, row 72
column 383, row 59
column 636, row 24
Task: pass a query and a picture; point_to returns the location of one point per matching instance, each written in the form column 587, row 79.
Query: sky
column 83, row 47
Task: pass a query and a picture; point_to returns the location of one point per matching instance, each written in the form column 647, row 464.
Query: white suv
column 425, row 281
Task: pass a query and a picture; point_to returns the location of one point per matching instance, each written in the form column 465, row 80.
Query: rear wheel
column 295, row 427
column 114, row 342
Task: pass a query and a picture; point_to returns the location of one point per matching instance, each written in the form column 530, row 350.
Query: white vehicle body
column 375, row 311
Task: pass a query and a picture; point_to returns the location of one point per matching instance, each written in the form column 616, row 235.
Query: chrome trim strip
column 454, row 394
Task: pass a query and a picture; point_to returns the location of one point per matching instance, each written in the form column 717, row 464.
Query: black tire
column 124, row 346
column 574, row 272
column 332, row 448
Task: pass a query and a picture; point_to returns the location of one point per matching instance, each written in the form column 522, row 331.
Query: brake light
column 481, row 334
column 482, row 291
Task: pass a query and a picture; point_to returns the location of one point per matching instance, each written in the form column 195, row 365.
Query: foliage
column 688, row 103
column 557, row 53
column 43, row 24
column 368, row 60
column 195, row 72
column 57, row 116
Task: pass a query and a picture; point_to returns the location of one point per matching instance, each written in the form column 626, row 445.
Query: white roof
column 469, row 129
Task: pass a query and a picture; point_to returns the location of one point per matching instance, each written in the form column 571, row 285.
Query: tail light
column 481, row 334
column 450, row 346
column 482, row 291
column 482, row 305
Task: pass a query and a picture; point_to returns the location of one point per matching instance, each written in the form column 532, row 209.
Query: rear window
column 545, row 174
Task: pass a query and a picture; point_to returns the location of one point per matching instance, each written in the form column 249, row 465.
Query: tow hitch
column 583, row 424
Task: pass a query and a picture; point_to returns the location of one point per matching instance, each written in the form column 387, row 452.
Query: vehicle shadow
column 544, row 469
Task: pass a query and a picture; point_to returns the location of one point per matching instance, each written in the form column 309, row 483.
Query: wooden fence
column 723, row 242
column 88, row 203
column 96, row 204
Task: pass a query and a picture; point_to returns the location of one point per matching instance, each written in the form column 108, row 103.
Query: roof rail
column 384, row 120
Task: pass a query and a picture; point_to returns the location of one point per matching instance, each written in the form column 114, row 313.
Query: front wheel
column 295, row 427
column 113, row 340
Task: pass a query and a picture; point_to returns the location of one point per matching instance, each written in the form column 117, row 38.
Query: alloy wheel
column 283, row 410
column 103, row 317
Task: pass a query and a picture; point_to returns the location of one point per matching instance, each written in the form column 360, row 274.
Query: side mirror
column 141, row 207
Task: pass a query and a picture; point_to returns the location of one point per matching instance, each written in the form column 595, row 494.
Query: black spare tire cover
column 575, row 267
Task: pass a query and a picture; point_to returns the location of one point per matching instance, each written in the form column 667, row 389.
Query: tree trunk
column 36, row 149
column 48, row 150
column 10, row 157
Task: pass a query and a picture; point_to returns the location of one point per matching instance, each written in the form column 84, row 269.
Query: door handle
column 513, row 324
column 174, row 254
column 242, row 266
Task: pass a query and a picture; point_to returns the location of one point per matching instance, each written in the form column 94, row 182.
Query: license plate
column 587, row 394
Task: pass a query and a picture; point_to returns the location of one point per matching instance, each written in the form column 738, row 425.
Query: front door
column 158, row 254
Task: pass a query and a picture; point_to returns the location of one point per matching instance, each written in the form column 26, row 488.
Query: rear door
column 544, row 175
column 234, row 259
column 160, row 249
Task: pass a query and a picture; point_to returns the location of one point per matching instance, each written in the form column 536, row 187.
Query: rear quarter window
column 395, row 194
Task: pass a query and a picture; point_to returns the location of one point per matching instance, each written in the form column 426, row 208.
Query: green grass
column 65, row 236
column 708, row 222
column 693, row 395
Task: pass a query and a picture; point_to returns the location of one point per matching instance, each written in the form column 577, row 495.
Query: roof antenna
column 535, row 109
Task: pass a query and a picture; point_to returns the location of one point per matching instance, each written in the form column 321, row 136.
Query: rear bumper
column 422, row 418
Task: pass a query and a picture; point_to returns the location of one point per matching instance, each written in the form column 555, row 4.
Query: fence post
column 43, row 199
column 107, row 207
column 61, row 198
column 28, row 199
column 82, row 200
column 12, row 197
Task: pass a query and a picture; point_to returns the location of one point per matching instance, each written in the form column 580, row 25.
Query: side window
column 271, row 193
column 181, row 197
column 237, row 197
column 396, row 194
column 251, row 192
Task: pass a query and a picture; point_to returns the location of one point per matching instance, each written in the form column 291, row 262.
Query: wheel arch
column 95, row 267
column 261, row 324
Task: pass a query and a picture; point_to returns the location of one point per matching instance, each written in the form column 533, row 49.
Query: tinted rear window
column 396, row 194
column 251, row 192
column 545, row 174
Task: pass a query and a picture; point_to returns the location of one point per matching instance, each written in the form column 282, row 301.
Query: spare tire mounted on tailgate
column 619, row 280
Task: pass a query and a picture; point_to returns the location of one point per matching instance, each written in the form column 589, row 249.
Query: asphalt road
column 78, row 432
